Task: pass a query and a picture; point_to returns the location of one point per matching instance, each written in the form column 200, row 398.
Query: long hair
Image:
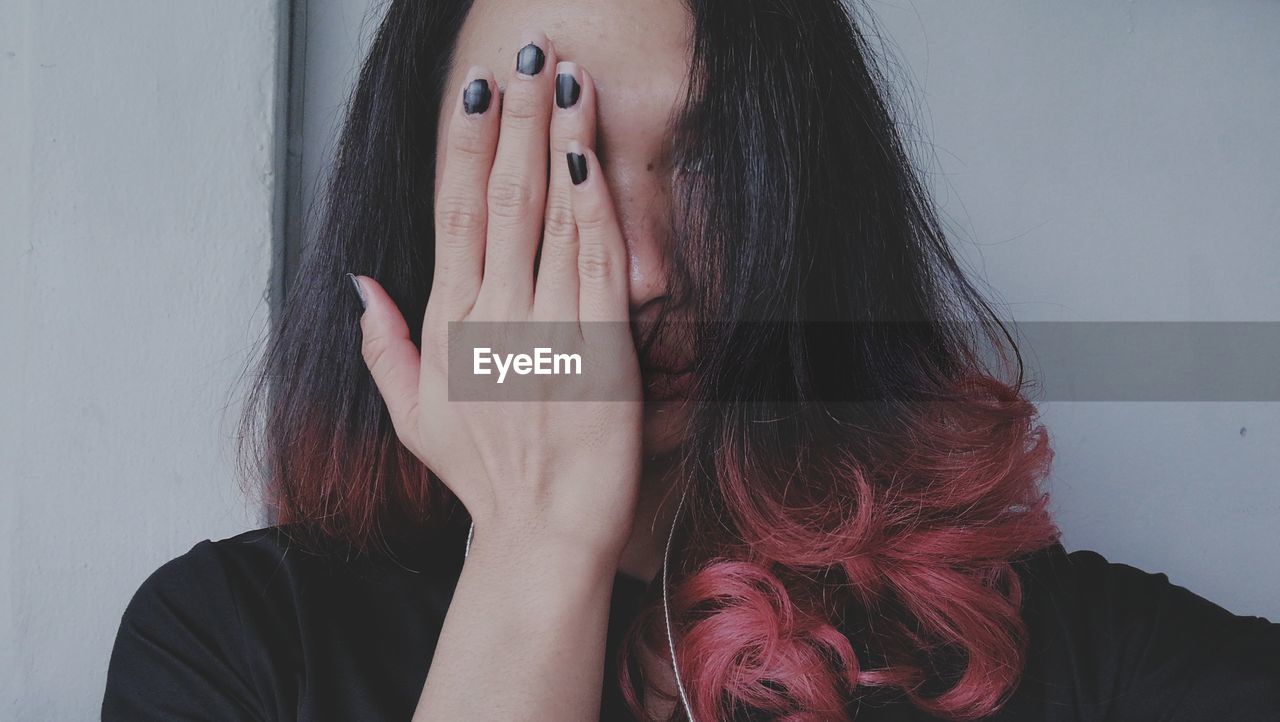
column 859, row 482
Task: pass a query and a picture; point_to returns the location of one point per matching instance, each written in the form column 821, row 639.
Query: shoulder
column 181, row 644
column 1143, row 647
column 212, row 566
column 267, row 570
column 216, row 583
column 1089, row 590
column 233, row 628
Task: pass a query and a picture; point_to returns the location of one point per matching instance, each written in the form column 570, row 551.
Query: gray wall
column 137, row 210
column 1097, row 161
column 1107, row 161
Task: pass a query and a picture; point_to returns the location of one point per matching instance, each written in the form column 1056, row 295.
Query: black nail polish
column 359, row 291
column 475, row 99
column 530, row 60
column 577, row 167
column 567, row 90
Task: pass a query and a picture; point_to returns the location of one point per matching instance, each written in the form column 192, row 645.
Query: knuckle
column 563, row 131
column 522, row 109
column 374, row 350
column 509, row 195
column 560, row 220
column 459, row 217
column 593, row 222
column 469, row 143
column 594, row 263
column 592, row 216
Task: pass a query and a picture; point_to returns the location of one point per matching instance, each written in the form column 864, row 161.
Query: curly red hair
column 892, row 571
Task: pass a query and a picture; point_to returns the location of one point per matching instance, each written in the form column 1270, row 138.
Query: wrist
column 544, row 552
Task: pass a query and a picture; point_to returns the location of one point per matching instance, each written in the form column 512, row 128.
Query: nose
column 644, row 214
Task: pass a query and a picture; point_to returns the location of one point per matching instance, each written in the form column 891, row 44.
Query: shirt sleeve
column 1177, row 656
column 180, row 652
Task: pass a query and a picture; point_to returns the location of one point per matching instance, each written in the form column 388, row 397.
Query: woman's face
column 637, row 53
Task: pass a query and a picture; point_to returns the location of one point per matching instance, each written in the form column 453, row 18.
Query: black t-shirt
column 255, row 628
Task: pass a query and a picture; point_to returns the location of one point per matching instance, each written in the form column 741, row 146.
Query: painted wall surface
column 137, row 187
column 1119, row 161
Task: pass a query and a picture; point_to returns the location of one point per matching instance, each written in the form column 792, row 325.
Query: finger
column 602, row 258
column 517, row 189
column 460, row 210
column 556, row 294
column 392, row 358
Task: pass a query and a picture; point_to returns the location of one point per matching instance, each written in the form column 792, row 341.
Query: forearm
column 524, row 637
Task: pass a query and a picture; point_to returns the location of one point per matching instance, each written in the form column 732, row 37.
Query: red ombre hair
column 859, row 483
column 884, row 564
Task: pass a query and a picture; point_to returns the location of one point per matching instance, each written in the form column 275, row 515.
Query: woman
column 786, row 397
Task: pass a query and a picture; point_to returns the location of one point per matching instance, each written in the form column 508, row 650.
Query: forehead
column 636, row 51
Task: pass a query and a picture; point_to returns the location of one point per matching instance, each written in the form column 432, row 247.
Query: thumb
column 392, row 358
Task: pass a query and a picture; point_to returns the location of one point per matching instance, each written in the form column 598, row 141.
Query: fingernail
column 475, row 99
column 359, row 291
column 577, row 167
column 567, row 87
column 530, row 59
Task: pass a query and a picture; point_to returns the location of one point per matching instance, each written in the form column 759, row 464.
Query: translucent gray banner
column 1065, row 361
column 1152, row 360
